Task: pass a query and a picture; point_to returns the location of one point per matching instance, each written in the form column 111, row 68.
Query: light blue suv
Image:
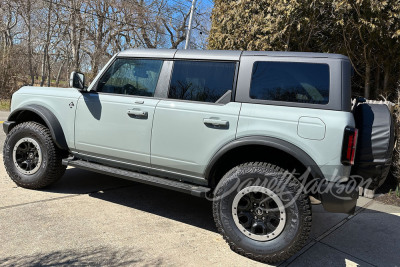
column 258, row 133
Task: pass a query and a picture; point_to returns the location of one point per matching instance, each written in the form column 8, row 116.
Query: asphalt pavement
column 93, row 219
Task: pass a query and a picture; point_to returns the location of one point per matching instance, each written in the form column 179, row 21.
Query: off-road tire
column 51, row 168
column 298, row 212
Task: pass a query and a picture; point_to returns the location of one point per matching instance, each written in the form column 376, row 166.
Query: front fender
column 46, row 115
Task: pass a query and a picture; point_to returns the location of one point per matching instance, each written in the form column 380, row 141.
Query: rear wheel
column 30, row 156
column 262, row 212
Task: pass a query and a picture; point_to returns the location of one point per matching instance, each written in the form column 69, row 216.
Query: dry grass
column 5, row 104
column 390, row 199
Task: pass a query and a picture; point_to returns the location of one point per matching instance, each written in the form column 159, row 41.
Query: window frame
column 164, row 69
column 335, row 81
column 234, row 82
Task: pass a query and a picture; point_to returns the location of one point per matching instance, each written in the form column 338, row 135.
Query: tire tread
column 305, row 224
column 55, row 169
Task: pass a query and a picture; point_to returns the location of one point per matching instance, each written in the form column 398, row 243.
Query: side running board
column 194, row 190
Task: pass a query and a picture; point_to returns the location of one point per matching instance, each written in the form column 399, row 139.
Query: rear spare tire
column 30, row 156
column 375, row 144
column 262, row 212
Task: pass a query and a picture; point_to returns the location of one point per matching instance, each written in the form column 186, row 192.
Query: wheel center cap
column 259, row 211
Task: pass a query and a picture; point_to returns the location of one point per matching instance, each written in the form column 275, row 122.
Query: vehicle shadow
column 368, row 238
column 162, row 202
column 93, row 103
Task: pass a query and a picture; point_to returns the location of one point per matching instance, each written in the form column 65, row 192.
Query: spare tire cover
column 375, row 143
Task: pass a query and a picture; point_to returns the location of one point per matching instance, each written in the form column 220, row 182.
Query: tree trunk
column 46, row 57
column 367, row 85
column 386, row 76
column 43, row 68
column 75, row 40
column 59, row 74
column 29, row 26
column 377, row 80
column 48, row 71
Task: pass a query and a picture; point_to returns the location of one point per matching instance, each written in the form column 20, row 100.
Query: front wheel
column 30, row 156
column 262, row 212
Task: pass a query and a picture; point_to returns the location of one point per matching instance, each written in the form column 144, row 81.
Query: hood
column 49, row 91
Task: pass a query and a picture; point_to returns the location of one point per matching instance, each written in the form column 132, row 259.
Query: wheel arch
column 256, row 148
column 42, row 115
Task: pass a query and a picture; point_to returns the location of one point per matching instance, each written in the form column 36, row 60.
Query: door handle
column 137, row 113
column 216, row 122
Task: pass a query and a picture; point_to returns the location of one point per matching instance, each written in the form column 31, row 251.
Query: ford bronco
column 257, row 133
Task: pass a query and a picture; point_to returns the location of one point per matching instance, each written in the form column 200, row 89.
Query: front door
column 115, row 122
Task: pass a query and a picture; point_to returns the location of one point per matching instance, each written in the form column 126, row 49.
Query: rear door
column 197, row 118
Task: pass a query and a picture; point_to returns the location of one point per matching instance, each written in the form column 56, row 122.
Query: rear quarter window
column 290, row 82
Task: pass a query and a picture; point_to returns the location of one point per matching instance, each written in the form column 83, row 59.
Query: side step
column 198, row 191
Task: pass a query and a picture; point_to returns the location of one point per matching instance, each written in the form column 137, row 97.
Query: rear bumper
column 7, row 125
column 339, row 197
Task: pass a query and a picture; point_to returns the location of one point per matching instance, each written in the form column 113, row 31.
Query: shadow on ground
column 77, row 181
column 369, row 238
column 390, row 184
column 84, row 257
column 162, row 202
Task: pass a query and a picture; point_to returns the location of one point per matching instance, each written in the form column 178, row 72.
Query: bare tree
column 49, row 38
column 76, row 32
column 26, row 14
column 9, row 15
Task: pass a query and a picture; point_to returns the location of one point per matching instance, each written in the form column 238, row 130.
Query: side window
column 290, row 82
column 131, row 77
column 201, row 80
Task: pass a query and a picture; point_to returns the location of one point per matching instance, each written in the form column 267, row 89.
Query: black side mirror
column 77, row 80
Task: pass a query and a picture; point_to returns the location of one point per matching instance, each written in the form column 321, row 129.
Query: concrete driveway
column 3, row 117
column 92, row 219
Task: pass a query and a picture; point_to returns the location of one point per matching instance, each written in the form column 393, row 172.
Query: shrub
column 396, row 152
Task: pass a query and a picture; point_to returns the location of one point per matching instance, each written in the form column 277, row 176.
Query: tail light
column 349, row 145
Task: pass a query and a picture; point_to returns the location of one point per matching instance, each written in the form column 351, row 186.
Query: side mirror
column 77, row 80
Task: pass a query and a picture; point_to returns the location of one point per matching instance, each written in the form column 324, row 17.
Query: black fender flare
column 47, row 116
column 271, row 142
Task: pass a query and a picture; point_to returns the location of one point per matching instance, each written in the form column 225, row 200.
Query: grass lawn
column 5, row 104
